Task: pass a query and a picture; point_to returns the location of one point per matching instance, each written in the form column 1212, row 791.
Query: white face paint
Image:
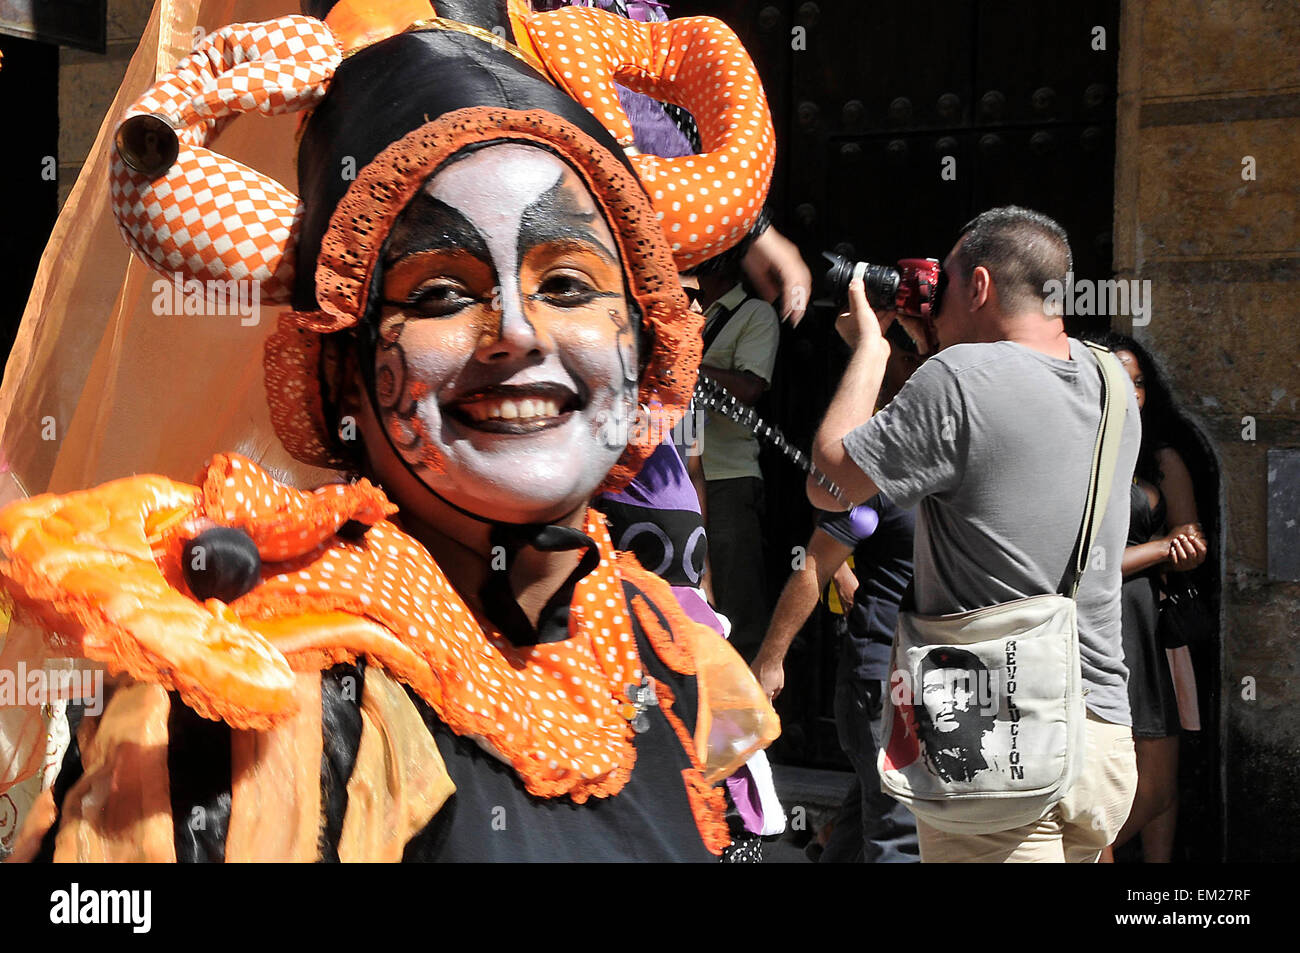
column 506, row 344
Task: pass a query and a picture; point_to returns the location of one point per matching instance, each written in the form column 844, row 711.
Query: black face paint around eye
column 428, row 224
column 555, row 216
column 540, row 400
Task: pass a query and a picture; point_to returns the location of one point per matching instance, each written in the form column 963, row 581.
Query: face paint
column 506, row 343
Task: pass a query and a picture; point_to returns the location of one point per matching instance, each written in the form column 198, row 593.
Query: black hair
column 1022, row 249
column 1163, row 424
column 951, row 658
column 959, row 660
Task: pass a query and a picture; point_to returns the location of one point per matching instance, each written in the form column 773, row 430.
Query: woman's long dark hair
column 1163, row 425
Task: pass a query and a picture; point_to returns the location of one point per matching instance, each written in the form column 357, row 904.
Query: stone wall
column 89, row 81
column 1203, row 86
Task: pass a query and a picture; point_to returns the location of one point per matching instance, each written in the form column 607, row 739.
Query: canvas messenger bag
column 984, row 730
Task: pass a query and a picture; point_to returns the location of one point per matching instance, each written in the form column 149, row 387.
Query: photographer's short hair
column 1022, row 249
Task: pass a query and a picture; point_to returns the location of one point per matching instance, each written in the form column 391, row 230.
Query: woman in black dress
column 1164, row 536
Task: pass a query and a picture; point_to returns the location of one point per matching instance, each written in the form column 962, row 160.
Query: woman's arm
column 1144, row 555
column 1187, row 540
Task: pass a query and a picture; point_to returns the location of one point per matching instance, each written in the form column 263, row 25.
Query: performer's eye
column 566, row 289
column 439, row 298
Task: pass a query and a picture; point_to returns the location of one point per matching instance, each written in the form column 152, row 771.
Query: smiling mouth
column 515, row 409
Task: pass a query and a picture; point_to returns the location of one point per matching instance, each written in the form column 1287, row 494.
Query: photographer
column 992, row 439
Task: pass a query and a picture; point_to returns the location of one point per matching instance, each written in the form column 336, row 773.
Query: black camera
column 915, row 288
column 881, row 281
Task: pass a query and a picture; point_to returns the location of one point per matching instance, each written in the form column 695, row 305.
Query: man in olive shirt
column 745, row 334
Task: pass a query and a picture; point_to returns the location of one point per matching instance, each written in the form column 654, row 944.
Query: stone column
column 89, row 81
column 1207, row 178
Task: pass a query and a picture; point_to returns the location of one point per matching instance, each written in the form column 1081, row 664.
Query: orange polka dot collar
column 108, row 567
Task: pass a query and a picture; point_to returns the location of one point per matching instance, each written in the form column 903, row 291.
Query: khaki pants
column 1075, row 830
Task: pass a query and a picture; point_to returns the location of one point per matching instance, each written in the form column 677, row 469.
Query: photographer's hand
column 860, row 326
column 852, row 405
column 915, row 328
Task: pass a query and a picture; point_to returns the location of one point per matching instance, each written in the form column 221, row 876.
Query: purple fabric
column 697, row 607
column 656, row 133
column 646, row 11
column 744, row 794
column 662, row 483
column 864, row 520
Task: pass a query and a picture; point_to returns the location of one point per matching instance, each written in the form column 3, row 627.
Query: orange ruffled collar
column 104, row 566
column 556, row 712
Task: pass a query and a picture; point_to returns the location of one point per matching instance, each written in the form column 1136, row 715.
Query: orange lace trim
column 84, row 566
column 284, row 523
column 292, row 369
column 105, row 562
column 676, row 653
column 708, row 804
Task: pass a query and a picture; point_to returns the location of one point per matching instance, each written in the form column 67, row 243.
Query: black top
column 1152, row 701
column 882, row 563
column 1145, row 523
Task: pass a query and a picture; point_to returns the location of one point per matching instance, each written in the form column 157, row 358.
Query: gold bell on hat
column 148, row 143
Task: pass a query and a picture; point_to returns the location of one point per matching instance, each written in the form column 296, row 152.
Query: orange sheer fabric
column 98, row 385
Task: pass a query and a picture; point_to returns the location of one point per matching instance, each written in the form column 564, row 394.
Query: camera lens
column 880, row 281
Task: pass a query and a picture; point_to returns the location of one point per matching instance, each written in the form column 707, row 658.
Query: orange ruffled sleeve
column 100, row 569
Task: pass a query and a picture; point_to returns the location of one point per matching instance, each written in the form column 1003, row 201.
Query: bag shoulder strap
column 714, row 325
column 1105, row 452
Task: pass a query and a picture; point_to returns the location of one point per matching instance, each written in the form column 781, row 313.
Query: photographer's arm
column 852, row 405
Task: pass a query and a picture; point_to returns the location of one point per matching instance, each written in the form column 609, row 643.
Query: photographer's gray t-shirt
column 994, row 442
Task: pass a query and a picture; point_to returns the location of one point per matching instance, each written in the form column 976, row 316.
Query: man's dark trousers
column 735, row 528
column 870, row 827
